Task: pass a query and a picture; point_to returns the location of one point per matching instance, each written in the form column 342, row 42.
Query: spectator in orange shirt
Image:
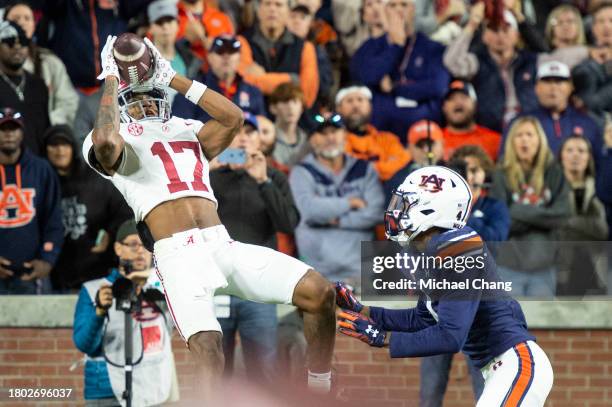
column 273, row 55
column 365, row 141
column 459, row 110
column 200, row 22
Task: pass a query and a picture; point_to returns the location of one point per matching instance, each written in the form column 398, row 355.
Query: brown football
column 133, row 58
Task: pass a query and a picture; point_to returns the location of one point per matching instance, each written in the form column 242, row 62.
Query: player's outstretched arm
column 226, row 121
column 107, row 142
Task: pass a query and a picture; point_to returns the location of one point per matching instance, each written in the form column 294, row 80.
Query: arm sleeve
column 87, row 331
column 347, row 15
column 279, row 203
column 309, row 73
column 63, row 101
column 458, row 60
column 532, row 37
column 266, row 82
column 455, row 318
column 433, row 87
column 314, row 209
column 546, row 217
column 604, row 180
column 372, row 214
column 375, row 59
column 593, row 226
column 51, row 219
column 400, row 320
column 571, row 56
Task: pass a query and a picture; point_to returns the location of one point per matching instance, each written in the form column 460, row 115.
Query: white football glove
column 107, row 59
column 163, row 72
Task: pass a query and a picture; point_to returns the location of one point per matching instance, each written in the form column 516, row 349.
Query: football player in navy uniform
column 426, row 215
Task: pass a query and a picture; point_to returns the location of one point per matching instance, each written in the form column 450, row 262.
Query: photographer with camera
column 100, row 329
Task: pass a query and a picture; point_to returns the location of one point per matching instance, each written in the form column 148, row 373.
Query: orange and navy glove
column 346, row 299
column 361, row 327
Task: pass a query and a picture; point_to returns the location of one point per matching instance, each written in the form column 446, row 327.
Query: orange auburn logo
column 16, row 206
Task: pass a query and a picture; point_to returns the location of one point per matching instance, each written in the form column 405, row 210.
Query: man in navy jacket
column 31, row 230
column 222, row 77
column 404, row 70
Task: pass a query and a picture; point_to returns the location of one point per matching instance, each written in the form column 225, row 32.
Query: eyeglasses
column 134, row 246
column 225, row 45
column 11, row 41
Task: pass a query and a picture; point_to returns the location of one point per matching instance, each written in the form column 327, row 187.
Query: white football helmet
column 429, row 197
column 141, row 98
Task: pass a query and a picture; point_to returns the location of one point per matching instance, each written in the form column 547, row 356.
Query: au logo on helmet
column 431, row 183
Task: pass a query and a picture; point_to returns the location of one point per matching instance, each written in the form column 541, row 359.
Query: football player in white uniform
column 160, row 165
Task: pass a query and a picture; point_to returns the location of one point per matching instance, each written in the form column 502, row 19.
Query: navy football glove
column 346, row 299
column 361, row 327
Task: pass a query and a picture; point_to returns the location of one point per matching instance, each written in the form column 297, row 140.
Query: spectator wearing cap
column 364, row 141
column 459, row 109
column 30, row 212
column 404, row 70
column 287, row 106
column 503, row 75
column 200, row 21
column 92, row 210
column 554, row 111
column 425, row 146
column 272, row 55
column 99, row 330
column 593, row 77
column 340, row 200
column 255, row 203
column 20, row 89
column 42, row 62
column 223, row 77
column 163, row 28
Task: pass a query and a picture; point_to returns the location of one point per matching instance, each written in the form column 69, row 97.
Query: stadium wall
column 36, row 350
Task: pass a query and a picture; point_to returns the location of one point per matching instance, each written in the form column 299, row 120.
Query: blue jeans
column 15, row 285
column 434, row 378
column 256, row 323
column 540, row 283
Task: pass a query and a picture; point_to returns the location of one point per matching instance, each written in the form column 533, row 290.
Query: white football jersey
column 161, row 162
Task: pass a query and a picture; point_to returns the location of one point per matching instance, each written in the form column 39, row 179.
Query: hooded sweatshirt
column 329, row 234
column 89, row 204
column 30, row 213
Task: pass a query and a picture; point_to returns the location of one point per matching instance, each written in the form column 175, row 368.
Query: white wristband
column 195, row 92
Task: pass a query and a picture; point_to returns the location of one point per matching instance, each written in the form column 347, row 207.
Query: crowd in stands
column 342, row 99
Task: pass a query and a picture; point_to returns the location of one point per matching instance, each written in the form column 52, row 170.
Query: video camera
column 125, row 293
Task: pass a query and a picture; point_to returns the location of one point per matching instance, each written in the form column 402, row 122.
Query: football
column 134, row 59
